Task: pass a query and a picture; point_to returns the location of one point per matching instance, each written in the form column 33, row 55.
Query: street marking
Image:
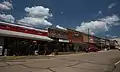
column 117, row 62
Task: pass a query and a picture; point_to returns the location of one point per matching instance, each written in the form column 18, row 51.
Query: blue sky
column 73, row 13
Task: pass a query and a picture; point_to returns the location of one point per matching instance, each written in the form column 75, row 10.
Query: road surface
column 84, row 62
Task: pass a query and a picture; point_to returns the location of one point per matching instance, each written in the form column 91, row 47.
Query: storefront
column 97, row 42
column 21, row 40
column 76, row 40
column 91, row 41
column 59, row 36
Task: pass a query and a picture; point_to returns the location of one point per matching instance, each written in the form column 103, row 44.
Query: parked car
column 92, row 49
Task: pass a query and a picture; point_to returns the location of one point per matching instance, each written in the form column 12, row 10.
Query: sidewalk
column 4, row 58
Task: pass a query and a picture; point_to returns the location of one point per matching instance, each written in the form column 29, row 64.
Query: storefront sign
column 57, row 33
column 66, row 41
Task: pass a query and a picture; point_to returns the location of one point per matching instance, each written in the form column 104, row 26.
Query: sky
column 101, row 17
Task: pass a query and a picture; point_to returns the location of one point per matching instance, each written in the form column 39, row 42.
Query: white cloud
column 99, row 12
column 111, row 36
column 61, row 12
column 38, row 11
column 6, row 5
column 100, row 25
column 111, row 5
column 108, row 35
column 37, row 15
column 34, row 21
column 114, row 37
column 110, row 19
column 8, row 18
column 92, row 33
column 61, row 27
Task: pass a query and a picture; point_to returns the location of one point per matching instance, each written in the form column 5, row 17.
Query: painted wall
column 85, row 38
column 75, row 37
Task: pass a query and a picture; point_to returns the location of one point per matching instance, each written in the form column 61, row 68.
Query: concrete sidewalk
column 3, row 58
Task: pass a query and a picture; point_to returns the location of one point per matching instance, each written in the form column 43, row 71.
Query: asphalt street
column 83, row 62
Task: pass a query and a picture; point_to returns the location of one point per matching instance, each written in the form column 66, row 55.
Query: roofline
column 57, row 29
column 12, row 24
column 85, row 33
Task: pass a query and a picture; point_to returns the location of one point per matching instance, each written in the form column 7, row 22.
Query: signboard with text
column 57, row 33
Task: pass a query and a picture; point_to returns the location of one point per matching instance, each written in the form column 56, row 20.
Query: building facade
column 17, row 40
column 75, row 36
column 60, row 36
column 75, row 39
column 21, row 40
